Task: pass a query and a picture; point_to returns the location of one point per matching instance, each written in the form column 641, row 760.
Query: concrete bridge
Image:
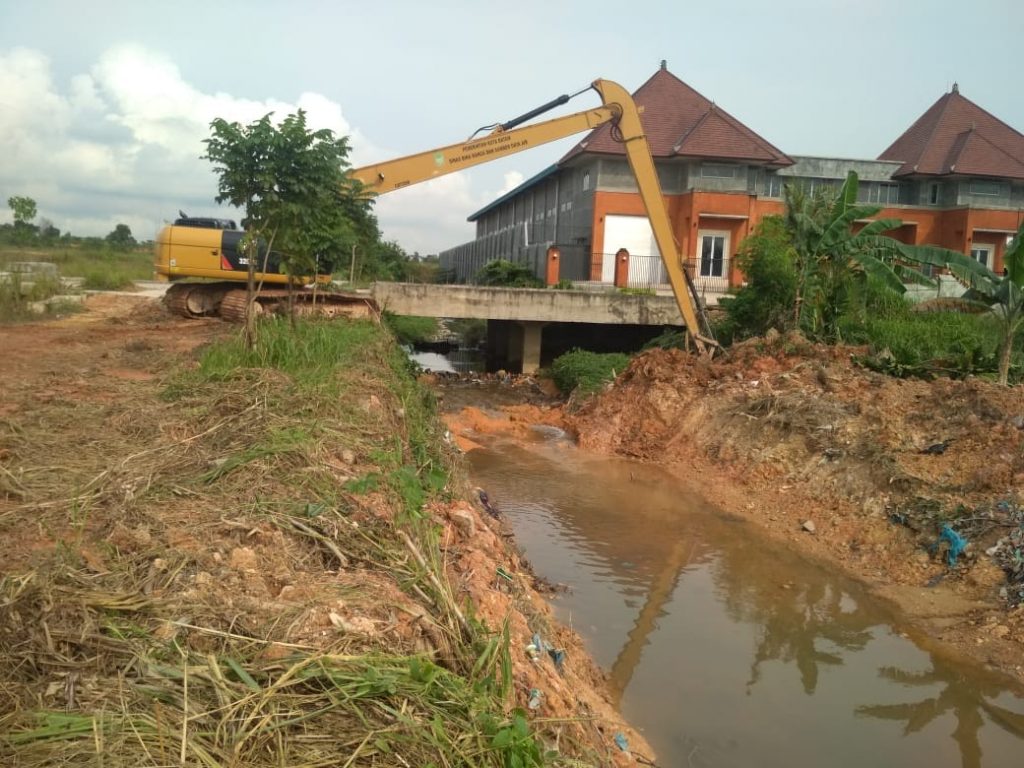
column 518, row 315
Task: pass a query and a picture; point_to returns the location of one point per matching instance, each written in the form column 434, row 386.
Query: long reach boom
column 508, row 139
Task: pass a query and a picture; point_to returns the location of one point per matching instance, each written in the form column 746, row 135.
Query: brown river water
column 724, row 649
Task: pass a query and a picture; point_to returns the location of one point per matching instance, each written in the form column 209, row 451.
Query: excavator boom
column 505, row 140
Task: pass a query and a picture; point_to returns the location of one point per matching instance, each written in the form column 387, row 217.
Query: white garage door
column 635, row 235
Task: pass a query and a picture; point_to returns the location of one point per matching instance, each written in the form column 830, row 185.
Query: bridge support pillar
column 531, row 334
column 514, row 345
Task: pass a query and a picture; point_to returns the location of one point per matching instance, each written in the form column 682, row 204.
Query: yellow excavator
column 202, row 248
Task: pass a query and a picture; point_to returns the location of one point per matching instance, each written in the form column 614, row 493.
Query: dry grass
column 197, row 586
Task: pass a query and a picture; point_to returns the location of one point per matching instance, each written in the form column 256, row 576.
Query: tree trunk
column 1005, row 350
column 250, row 298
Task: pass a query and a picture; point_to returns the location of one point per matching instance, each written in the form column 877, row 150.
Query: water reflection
column 965, row 697
column 727, row 651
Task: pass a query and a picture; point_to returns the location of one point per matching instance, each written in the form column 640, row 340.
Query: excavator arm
column 507, row 139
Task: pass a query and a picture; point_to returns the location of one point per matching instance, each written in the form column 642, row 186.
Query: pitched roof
column 955, row 135
column 680, row 122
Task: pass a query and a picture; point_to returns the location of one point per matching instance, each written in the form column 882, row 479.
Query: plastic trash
column 621, row 743
column 535, row 698
column 957, row 543
column 558, row 656
column 532, row 652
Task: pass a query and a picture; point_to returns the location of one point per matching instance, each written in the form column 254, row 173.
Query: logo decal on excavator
column 439, row 159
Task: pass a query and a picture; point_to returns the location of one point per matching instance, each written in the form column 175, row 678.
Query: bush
column 769, row 296
column 586, row 372
column 507, row 273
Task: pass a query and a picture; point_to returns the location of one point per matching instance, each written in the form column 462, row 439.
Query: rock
column 809, row 526
column 1000, row 630
column 348, row 456
column 243, row 559
column 464, row 521
column 356, row 625
column 1018, row 422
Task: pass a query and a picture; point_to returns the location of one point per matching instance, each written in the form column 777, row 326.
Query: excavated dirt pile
column 911, row 485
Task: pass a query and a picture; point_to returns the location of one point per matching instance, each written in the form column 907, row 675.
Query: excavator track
column 195, row 299
column 232, row 309
column 228, row 302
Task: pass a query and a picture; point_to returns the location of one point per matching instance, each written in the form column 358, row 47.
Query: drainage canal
column 725, row 650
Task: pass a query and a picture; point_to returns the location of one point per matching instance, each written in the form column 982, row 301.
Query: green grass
column 411, row 329
column 112, row 278
column 17, row 298
column 929, row 343
column 82, row 261
column 586, row 372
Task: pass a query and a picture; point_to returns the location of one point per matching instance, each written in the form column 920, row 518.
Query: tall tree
column 23, row 208
column 121, row 238
column 287, row 179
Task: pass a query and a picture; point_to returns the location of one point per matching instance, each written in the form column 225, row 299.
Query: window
column 717, row 171
column 586, row 181
column 712, row 256
column 773, row 185
column 933, row 194
column 882, row 193
column 982, row 254
column 993, row 188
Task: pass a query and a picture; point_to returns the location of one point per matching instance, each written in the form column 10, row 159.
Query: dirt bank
column 848, row 465
column 258, row 564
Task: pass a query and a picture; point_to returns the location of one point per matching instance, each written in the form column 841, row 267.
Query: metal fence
column 648, row 273
column 462, row 263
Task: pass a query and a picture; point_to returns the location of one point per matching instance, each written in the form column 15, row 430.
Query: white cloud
column 122, row 143
column 512, row 180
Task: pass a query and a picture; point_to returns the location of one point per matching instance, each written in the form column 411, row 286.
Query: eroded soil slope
column 239, row 569
column 853, row 466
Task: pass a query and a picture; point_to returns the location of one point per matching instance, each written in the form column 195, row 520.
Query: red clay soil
column 784, row 432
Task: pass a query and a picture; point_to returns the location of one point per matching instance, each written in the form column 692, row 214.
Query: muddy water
column 724, row 650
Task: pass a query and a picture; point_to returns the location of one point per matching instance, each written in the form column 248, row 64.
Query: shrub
column 767, row 300
column 507, row 273
column 586, row 372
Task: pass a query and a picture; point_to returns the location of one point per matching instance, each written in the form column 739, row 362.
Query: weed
column 586, row 372
column 20, row 296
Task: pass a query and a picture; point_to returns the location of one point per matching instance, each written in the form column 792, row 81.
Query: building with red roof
column 955, row 178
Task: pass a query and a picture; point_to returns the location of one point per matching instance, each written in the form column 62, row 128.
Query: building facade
column 955, row 178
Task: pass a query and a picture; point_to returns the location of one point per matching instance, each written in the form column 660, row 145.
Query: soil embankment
column 258, row 564
column 857, row 468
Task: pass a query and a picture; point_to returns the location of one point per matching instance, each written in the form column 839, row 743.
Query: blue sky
column 103, row 105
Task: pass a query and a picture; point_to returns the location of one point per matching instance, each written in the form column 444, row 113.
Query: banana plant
column 1000, row 295
column 830, row 254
